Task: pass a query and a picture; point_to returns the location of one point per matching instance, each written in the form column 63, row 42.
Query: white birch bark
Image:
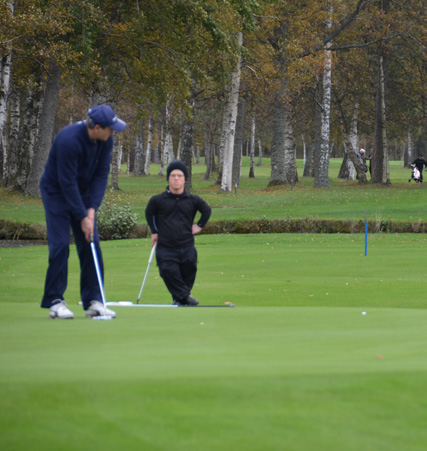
column 322, row 173
column 33, row 105
column 163, row 154
column 252, row 160
column 11, row 156
column 178, row 150
column 238, row 143
column 386, row 166
column 277, row 176
column 304, row 148
column 290, row 152
column 227, row 168
column 149, row 146
column 170, row 152
column 259, row 153
column 116, row 160
column 5, row 71
column 223, row 139
column 354, row 139
column 138, row 165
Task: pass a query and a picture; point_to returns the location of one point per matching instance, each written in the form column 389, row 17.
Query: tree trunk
column 5, row 71
column 347, row 170
column 116, row 160
column 252, row 164
column 238, row 143
column 47, row 124
column 259, row 153
column 163, row 152
column 227, row 168
column 149, row 146
column 223, row 140
column 291, row 174
column 408, row 158
column 321, row 179
column 138, row 165
column 380, row 164
column 187, row 145
column 28, row 137
column 350, row 151
column 318, row 95
column 208, row 151
column 11, row 156
column 278, row 175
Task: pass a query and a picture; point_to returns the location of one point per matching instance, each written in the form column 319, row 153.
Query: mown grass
column 294, row 366
column 402, row 201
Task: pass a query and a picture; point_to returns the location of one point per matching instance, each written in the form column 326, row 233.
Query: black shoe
column 189, row 301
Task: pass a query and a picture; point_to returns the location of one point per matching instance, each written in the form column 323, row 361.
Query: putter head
column 103, row 317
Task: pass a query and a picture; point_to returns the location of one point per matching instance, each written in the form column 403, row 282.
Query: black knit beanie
column 177, row 165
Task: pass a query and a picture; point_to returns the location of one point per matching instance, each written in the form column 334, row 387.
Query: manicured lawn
column 402, row 201
column 294, row 366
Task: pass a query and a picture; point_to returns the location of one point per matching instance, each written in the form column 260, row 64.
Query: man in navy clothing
column 170, row 216
column 72, row 187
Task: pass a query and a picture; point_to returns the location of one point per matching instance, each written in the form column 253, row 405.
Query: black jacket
column 171, row 216
column 419, row 163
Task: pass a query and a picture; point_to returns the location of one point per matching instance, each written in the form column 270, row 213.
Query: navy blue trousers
column 178, row 269
column 59, row 221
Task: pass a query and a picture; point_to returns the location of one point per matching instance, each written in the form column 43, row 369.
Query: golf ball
column 363, row 313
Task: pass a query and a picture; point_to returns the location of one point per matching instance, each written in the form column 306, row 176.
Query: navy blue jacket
column 171, row 216
column 76, row 172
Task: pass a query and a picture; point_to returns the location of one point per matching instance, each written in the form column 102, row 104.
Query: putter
column 101, row 285
column 150, row 259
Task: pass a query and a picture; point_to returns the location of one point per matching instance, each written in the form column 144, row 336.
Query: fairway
column 295, row 366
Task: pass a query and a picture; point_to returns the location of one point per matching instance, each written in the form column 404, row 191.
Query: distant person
column 363, row 158
column 170, row 216
column 420, row 163
column 72, row 186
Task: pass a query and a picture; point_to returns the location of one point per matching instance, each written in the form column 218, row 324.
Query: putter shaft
column 98, row 271
column 150, row 259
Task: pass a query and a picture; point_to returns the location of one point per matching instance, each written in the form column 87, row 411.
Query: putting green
column 245, row 378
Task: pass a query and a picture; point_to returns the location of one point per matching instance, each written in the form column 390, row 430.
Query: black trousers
column 177, row 268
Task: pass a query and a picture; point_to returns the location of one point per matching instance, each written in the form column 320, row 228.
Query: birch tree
column 5, row 74
column 252, row 147
column 321, row 178
column 230, row 124
column 138, row 167
column 28, row 135
column 149, row 146
column 283, row 155
column 259, row 153
column 238, row 142
column 11, row 154
column 116, row 160
column 188, row 144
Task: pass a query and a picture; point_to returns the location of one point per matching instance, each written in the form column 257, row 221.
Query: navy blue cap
column 104, row 116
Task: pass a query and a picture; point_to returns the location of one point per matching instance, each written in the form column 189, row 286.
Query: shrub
column 115, row 222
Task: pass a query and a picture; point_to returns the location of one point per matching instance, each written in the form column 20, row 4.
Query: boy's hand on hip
column 196, row 229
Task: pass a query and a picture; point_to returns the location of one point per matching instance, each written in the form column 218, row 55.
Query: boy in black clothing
column 170, row 216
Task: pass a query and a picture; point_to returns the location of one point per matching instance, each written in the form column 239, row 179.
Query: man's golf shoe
column 59, row 310
column 97, row 309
